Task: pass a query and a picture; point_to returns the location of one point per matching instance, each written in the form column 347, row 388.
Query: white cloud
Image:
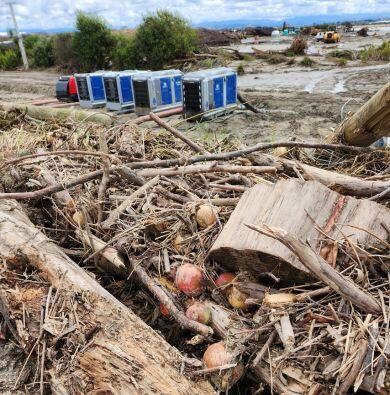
column 45, row 14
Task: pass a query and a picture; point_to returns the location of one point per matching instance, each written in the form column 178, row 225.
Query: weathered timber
column 309, row 210
column 369, row 123
column 122, row 354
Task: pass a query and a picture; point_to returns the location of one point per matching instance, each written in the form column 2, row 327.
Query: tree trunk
column 101, row 346
column 370, row 122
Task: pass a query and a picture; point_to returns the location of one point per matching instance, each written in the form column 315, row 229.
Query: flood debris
column 137, row 260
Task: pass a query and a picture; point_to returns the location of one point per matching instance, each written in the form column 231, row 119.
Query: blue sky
column 49, row 14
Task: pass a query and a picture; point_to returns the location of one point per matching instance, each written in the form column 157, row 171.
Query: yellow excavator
column 331, row 37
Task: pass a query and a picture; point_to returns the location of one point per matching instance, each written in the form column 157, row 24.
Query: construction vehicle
column 331, row 37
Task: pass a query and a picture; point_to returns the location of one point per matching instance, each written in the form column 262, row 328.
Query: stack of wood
column 140, row 261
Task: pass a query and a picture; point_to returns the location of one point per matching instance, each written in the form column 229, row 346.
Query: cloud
column 48, row 14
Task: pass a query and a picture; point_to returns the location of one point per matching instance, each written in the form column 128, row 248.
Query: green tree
column 124, row 56
column 43, row 52
column 93, row 42
column 162, row 38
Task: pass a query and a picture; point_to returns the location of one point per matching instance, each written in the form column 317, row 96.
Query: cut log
column 369, row 123
column 120, row 354
column 61, row 114
column 299, row 208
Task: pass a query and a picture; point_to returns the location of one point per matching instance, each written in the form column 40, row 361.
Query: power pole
column 20, row 37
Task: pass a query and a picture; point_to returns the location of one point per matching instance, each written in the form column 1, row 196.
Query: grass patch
column 376, row 53
column 343, row 54
column 342, row 62
column 307, row 62
column 276, row 59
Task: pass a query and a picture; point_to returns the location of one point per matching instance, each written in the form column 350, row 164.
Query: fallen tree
column 116, row 351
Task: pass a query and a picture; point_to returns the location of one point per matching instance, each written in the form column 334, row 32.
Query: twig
column 265, row 347
column 357, row 364
column 115, row 214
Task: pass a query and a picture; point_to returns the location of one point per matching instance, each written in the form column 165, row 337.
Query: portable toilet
column 157, row 91
column 90, row 89
column 118, row 86
column 209, row 93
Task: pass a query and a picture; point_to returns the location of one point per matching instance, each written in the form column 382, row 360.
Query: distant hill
column 296, row 21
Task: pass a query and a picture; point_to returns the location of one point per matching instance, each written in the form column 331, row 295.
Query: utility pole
column 20, row 37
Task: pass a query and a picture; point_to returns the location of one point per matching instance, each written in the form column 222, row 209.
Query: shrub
column 162, row 38
column 30, row 42
column 240, row 69
column 376, row 53
column 307, row 62
column 298, row 46
column 346, row 54
column 43, row 52
column 342, row 62
column 123, row 56
column 10, row 59
column 93, row 42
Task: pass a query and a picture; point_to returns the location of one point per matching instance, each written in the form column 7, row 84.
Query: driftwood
column 162, row 114
column 307, row 209
column 63, row 114
column 122, row 354
column 369, row 123
column 322, row 270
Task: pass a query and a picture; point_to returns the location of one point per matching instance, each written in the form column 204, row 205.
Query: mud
column 296, row 101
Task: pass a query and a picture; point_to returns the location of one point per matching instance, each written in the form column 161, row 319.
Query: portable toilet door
column 231, row 89
column 218, row 92
column 126, row 89
column 178, row 88
column 166, row 91
column 97, row 87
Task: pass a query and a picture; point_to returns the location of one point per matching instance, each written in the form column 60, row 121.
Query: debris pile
column 258, row 268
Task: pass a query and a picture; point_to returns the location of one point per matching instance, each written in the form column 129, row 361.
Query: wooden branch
column 176, row 133
column 125, row 355
column 106, row 175
column 163, row 298
column 322, row 270
column 115, row 214
column 348, row 381
column 199, row 169
column 247, row 151
column 14, row 161
column 162, row 114
column 247, row 104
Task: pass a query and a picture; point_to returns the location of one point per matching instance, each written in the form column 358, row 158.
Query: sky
column 49, row 14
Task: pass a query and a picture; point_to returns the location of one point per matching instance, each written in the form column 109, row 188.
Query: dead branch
column 322, row 270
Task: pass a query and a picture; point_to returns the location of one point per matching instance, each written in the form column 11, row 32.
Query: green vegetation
column 381, row 53
column 162, row 38
column 9, row 59
column 240, row 69
column 93, row 43
column 342, row 62
column 307, row 62
column 346, row 54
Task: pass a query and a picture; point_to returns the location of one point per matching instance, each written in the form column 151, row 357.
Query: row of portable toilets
column 201, row 94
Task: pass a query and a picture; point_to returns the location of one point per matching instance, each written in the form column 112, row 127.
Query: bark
column 369, row 123
column 123, row 355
